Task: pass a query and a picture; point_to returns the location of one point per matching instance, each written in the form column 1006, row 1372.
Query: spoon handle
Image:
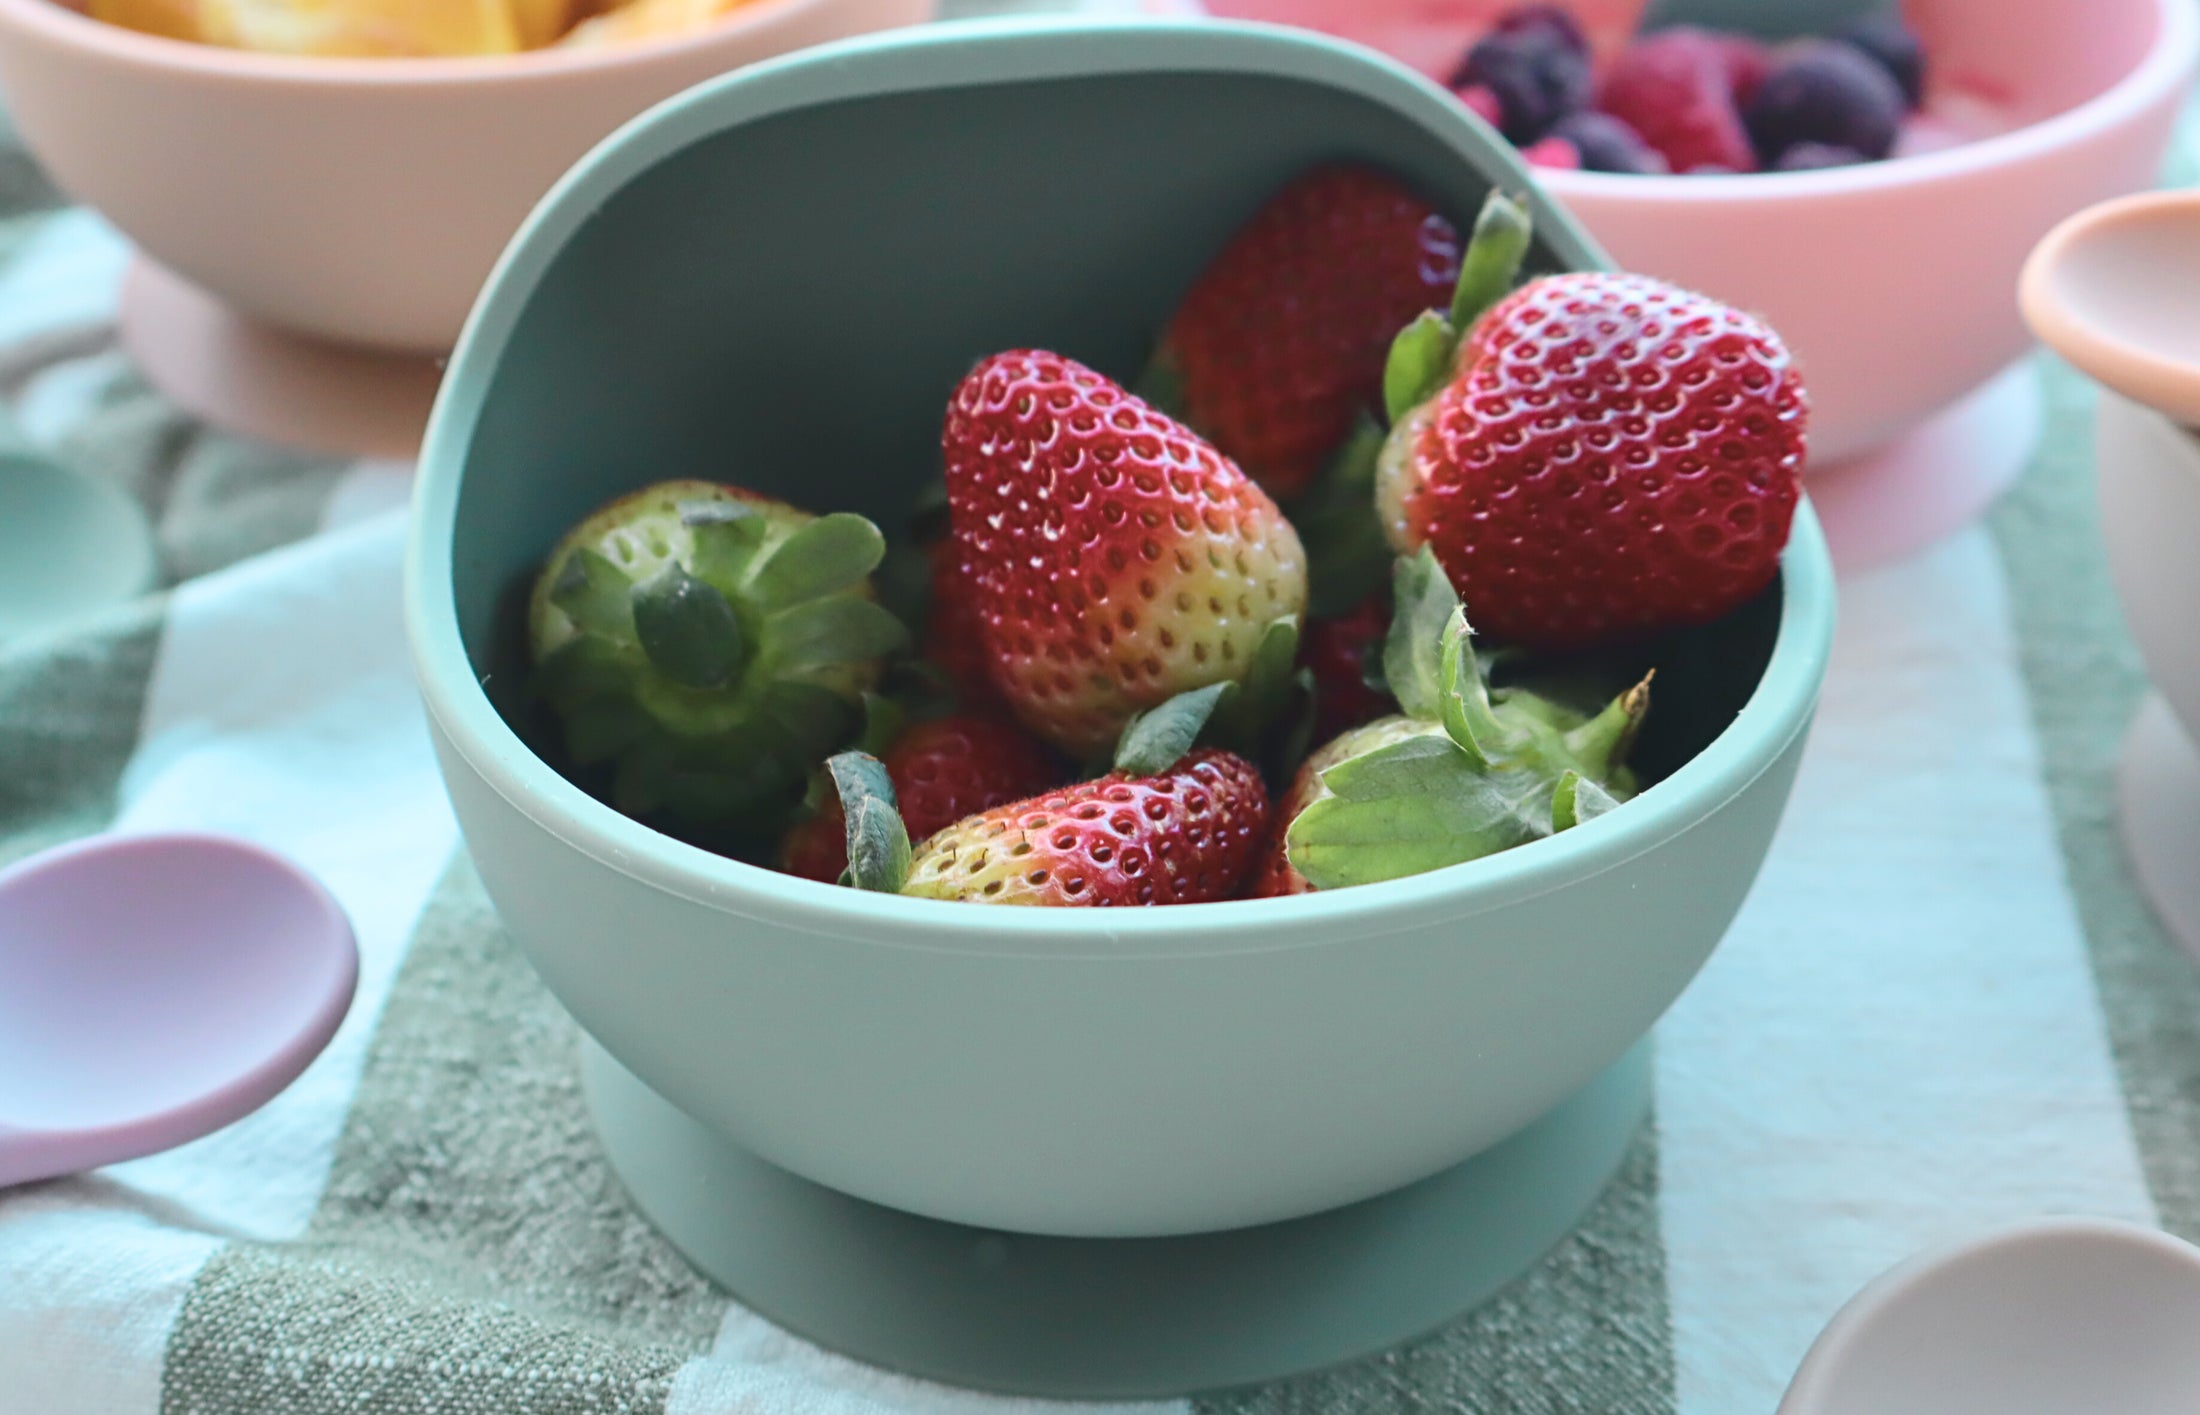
column 30, row 1155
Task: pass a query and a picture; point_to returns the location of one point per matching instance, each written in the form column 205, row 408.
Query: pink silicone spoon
column 153, row 989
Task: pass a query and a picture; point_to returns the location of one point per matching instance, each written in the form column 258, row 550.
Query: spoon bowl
column 2115, row 290
column 69, row 543
column 2055, row 1317
column 154, row 989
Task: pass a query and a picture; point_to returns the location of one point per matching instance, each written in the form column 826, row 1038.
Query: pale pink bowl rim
column 63, row 25
column 2164, row 67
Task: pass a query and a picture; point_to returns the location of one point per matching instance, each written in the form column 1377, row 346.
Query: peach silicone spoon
column 2115, row 290
column 153, row 989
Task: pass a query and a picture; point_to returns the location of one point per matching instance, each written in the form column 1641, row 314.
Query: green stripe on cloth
column 1585, row 1332
column 472, row 1252
column 69, row 713
column 2085, row 681
column 214, row 499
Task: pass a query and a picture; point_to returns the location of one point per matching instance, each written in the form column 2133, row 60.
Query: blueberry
column 1894, row 46
column 1813, row 156
column 1553, row 20
column 1536, row 74
column 1608, row 144
column 1824, row 91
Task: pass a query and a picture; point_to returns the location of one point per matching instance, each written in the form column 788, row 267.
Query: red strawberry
column 1611, row 457
column 1281, row 341
column 1678, row 89
column 1115, row 558
column 1335, row 651
column 954, row 636
column 941, row 771
column 1185, row 836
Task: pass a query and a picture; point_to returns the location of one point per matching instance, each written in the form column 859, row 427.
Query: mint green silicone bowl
column 776, row 279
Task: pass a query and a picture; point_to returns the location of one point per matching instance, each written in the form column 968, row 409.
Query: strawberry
column 1460, row 773
column 1281, row 341
column 954, row 634
column 1115, row 558
column 1185, row 835
column 942, row 770
column 703, row 647
column 1170, row 825
column 1607, row 457
column 1335, row 651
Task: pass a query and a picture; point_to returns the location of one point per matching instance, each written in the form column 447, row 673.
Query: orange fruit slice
column 173, row 19
column 541, row 22
column 362, row 28
column 640, row 20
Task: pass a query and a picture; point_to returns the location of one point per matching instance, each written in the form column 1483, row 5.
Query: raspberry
column 1553, row 152
column 1825, row 92
column 1894, row 47
column 1608, row 144
column 1481, row 103
column 1676, row 89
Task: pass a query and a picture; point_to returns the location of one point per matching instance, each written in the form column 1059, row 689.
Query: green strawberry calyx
column 706, row 648
column 1424, row 355
column 1466, row 772
column 1266, row 714
column 878, row 842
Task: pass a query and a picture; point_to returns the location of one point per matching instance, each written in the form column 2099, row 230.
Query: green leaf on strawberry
column 1462, row 774
column 1422, row 605
column 878, row 843
column 1426, row 352
column 1154, row 741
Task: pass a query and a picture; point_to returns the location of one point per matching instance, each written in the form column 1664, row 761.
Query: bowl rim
column 65, row 26
column 2164, row 69
column 1007, row 51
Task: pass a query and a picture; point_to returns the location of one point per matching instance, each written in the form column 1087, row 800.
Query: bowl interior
column 787, row 301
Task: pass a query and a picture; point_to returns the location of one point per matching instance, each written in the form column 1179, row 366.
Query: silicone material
column 360, row 201
column 2149, row 484
column 2158, row 806
column 2055, row 1315
column 153, row 989
column 1081, row 1318
column 2111, row 290
column 264, row 382
column 712, row 294
column 69, row 543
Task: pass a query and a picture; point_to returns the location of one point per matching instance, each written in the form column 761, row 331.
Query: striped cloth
column 1943, row 1008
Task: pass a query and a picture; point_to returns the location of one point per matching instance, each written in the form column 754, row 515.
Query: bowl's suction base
column 1113, row 1318
column 2158, row 789
column 252, row 378
column 1935, row 480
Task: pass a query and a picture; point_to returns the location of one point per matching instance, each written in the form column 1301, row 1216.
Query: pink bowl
column 1895, row 282
column 360, row 200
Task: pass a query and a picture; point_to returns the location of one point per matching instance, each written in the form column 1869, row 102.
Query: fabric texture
column 1944, row 1006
